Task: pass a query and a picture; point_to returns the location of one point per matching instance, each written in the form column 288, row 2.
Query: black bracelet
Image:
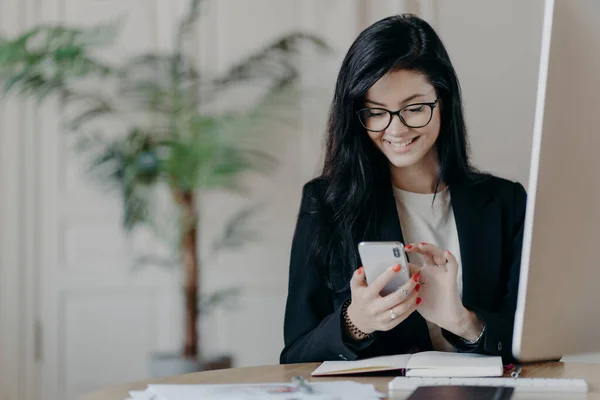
column 351, row 327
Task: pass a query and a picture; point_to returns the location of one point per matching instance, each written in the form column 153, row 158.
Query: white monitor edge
column 533, row 176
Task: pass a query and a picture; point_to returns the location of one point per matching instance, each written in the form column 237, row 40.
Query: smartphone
column 376, row 257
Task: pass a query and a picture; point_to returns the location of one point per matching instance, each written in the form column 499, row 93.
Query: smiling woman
column 397, row 169
column 408, row 140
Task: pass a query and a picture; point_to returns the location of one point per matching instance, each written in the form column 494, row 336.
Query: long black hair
column 356, row 173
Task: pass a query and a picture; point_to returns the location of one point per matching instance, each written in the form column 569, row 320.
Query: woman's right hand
column 371, row 312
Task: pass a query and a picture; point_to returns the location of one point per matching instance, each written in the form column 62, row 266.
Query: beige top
column 424, row 220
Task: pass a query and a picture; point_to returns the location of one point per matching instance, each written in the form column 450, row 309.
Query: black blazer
column 489, row 218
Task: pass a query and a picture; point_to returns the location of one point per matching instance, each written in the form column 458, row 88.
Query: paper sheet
column 340, row 390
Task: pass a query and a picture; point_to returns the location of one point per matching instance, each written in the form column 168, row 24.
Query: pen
column 517, row 372
column 302, row 384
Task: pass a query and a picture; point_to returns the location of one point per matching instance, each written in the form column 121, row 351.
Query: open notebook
column 428, row 363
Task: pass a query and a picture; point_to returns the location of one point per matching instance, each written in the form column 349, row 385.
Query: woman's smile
column 401, row 146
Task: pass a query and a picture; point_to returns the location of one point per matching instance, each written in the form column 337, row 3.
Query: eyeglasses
column 415, row 115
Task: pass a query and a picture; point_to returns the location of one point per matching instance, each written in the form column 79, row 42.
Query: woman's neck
column 421, row 177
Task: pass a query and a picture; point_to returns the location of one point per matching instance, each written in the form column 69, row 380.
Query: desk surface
column 283, row 373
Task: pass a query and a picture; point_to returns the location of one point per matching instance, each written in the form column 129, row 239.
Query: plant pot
column 171, row 364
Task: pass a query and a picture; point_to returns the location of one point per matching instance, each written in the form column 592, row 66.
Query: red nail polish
column 360, row 271
column 419, row 300
column 417, row 276
column 397, row 268
column 418, row 287
column 410, row 246
column 422, row 243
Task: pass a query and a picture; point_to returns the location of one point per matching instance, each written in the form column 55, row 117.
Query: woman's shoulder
column 493, row 182
column 313, row 194
column 506, row 190
column 315, row 187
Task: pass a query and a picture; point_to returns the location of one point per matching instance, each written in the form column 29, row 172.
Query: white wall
column 495, row 47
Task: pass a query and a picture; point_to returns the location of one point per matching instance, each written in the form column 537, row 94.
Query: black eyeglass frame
column 431, row 105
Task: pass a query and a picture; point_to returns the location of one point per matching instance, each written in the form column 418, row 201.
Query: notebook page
column 469, row 364
column 141, row 395
column 455, row 372
column 382, row 363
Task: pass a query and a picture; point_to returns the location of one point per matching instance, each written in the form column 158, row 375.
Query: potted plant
column 170, row 136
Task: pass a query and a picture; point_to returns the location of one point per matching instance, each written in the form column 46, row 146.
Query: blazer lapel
column 479, row 225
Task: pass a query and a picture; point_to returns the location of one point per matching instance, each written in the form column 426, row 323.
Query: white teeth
column 402, row 144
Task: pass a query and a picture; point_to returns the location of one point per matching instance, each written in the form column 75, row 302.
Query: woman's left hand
column 441, row 302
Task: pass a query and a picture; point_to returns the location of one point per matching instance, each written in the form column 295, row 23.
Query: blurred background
column 146, row 145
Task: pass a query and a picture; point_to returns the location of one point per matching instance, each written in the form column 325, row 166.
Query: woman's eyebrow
column 409, row 98
column 375, row 102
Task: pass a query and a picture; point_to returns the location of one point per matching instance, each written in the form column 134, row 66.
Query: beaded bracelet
column 353, row 329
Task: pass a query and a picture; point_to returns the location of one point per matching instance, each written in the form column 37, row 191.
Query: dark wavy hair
column 356, row 173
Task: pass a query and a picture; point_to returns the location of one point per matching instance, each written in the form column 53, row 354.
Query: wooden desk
column 283, row 373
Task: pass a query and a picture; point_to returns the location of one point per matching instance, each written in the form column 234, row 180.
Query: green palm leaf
column 226, row 298
column 149, row 83
column 238, row 230
column 96, row 110
column 45, row 59
column 275, row 62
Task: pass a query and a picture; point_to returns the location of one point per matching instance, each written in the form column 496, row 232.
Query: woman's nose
column 396, row 126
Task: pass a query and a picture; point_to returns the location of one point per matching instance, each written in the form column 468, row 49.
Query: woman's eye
column 416, row 109
column 375, row 113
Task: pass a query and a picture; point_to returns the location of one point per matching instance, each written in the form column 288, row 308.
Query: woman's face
column 402, row 145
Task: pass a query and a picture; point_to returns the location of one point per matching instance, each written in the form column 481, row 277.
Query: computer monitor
column 558, row 306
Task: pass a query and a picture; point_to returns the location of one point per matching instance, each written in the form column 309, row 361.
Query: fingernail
column 448, row 251
column 419, row 300
column 410, row 246
column 360, row 271
column 396, row 268
column 422, row 243
column 418, row 287
column 417, row 276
